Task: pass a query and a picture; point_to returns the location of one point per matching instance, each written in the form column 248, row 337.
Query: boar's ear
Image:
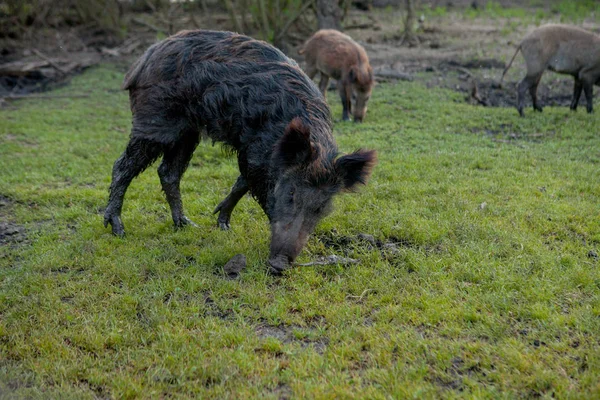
column 356, row 167
column 294, row 147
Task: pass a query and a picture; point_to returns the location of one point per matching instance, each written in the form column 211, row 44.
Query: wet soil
column 453, row 52
column 11, row 234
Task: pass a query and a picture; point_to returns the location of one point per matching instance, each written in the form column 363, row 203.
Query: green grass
column 490, row 294
column 569, row 11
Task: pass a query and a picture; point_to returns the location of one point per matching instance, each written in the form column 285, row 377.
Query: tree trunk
column 409, row 24
column 329, row 14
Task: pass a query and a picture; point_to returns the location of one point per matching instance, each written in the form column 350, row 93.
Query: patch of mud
column 388, row 247
column 555, row 93
column 283, row 392
column 292, row 334
column 506, row 133
column 213, row 310
column 10, row 233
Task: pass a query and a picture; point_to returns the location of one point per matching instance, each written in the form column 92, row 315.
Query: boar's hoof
column 278, row 265
column 590, row 110
column 184, row 221
column 115, row 223
column 223, row 224
column 223, row 219
column 538, row 108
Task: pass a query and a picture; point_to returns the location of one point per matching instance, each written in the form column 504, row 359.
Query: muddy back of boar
column 253, row 99
column 334, row 54
column 563, row 49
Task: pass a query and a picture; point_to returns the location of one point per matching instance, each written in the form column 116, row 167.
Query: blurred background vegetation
column 280, row 22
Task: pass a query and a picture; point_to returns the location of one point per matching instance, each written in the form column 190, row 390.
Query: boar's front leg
column 533, row 92
column 324, row 84
column 346, row 95
column 239, row 189
column 530, row 82
column 138, row 155
column 175, row 161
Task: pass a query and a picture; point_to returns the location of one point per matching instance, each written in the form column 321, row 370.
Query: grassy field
column 484, row 282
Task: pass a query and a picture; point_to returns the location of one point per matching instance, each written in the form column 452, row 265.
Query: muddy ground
column 455, row 51
column 11, row 234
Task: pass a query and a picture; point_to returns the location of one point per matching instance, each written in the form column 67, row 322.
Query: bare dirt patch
column 292, row 334
column 454, row 51
column 10, row 233
column 459, row 53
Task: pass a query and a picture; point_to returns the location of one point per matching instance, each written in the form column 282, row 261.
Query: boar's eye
column 323, row 209
column 291, row 195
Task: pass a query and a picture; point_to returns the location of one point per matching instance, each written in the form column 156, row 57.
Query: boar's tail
column 132, row 76
column 509, row 64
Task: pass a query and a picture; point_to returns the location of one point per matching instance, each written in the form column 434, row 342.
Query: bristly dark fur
column 250, row 97
column 237, row 87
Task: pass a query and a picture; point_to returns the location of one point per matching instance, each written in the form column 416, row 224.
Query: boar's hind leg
column 576, row 93
column 175, row 161
column 588, row 78
column 240, row 188
column 138, row 155
column 588, row 89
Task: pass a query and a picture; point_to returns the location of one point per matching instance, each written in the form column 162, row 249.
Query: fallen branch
column 388, row 73
column 329, row 260
column 21, row 68
column 50, row 61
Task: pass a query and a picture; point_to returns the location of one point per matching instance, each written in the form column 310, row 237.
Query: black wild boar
column 334, row 54
column 251, row 97
column 563, row 49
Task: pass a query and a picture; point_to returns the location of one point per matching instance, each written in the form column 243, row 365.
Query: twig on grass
column 362, row 295
column 329, row 260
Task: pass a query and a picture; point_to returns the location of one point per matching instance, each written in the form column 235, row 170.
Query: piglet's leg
column 346, row 96
column 240, row 188
column 175, row 161
column 138, row 155
column 324, row 84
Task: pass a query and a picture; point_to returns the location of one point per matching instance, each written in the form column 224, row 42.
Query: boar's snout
column 279, row 264
column 287, row 240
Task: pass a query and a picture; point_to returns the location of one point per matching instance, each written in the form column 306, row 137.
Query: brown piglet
column 336, row 55
column 564, row 49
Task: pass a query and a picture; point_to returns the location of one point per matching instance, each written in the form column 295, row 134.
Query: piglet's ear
column 294, row 147
column 356, row 167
